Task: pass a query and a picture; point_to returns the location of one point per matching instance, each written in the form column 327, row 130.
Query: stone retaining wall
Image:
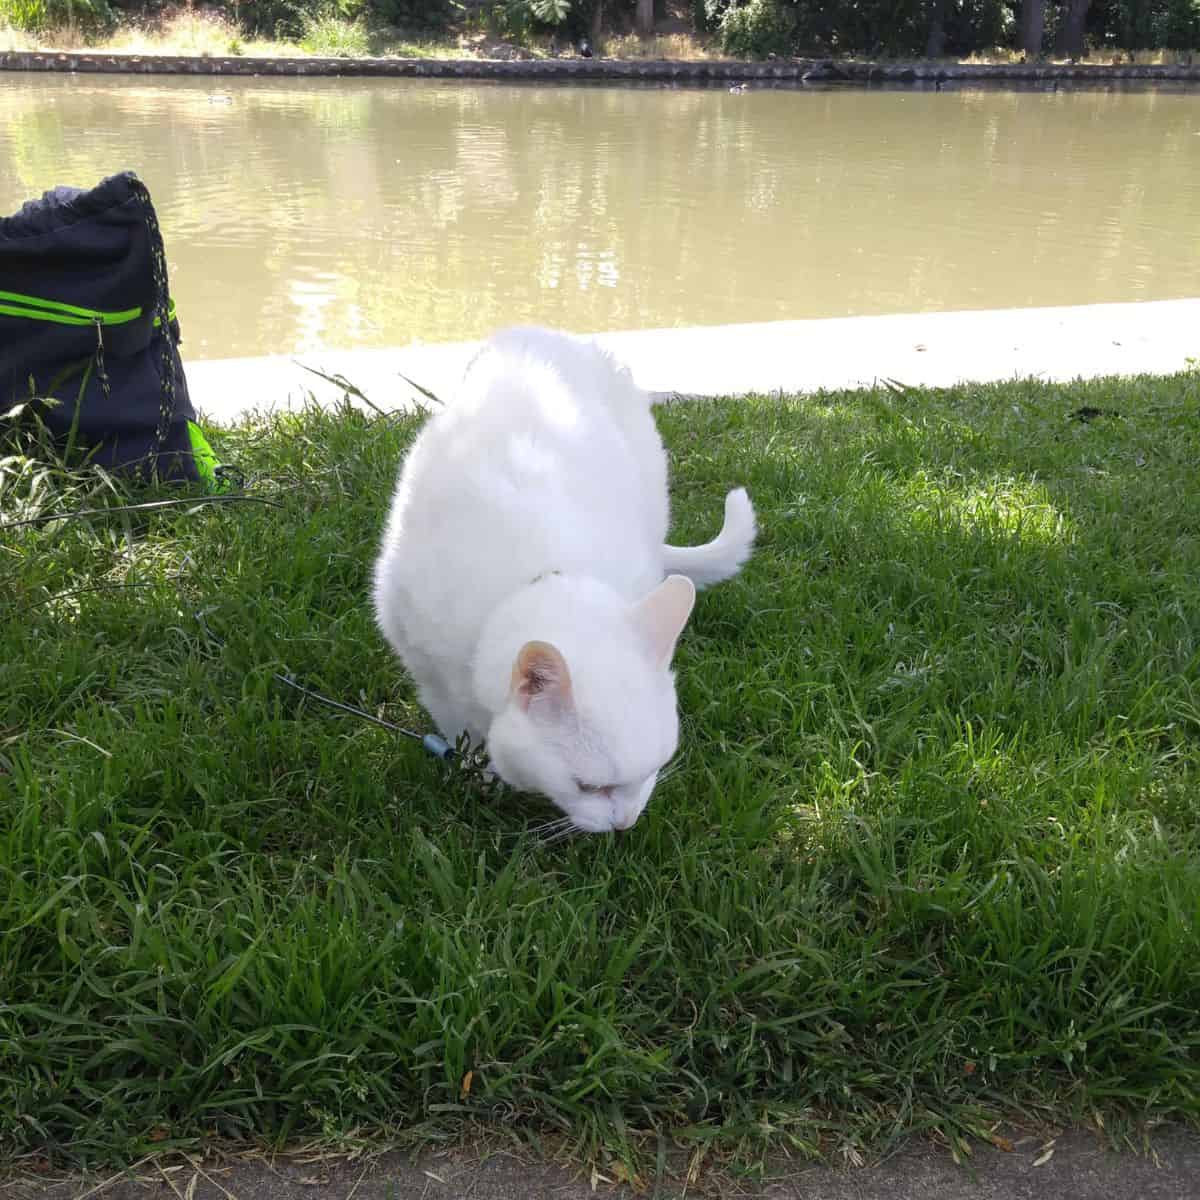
column 583, row 70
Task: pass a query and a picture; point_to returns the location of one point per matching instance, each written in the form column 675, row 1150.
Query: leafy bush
column 518, row 18
column 269, row 18
column 511, row 19
column 757, row 29
column 28, row 15
column 31, row 16
column 1180, row 24
column 410, row 14
column 332, row 35
column 709, row 14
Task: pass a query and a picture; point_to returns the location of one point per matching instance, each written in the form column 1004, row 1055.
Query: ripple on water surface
column 310, row 213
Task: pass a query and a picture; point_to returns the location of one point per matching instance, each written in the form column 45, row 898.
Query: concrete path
column 1073, row 1167
column 935, row 349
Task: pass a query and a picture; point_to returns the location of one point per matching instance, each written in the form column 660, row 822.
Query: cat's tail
column 721, row 558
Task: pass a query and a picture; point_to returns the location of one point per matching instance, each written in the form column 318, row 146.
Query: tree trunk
column 1070, row 32
column 935, row 44
column 645, row 16
column 1033, row 26
column 597, row 20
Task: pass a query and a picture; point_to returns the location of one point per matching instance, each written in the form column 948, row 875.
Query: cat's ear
column 662, row 615
column 540, row 674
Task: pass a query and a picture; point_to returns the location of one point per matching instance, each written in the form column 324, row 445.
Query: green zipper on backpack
column 14, row 304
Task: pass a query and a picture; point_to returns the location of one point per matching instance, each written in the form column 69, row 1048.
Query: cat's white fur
column 524, row 581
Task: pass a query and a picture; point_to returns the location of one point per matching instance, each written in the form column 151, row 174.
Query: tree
column 645, row 16
column 1033, row 26
column 1069, row 41
column 935, row 44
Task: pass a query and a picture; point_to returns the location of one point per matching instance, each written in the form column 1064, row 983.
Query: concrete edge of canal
column 926, row 349
column 916, row 73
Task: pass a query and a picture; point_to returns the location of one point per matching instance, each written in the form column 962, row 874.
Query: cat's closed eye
column 594, row 789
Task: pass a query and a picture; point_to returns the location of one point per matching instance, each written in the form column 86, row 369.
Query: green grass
column 329, row 35
column 930, row 861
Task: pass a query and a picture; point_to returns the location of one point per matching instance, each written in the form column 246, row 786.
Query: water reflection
column 319, row 212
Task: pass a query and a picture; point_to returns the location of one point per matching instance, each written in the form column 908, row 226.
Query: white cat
column 521, row 574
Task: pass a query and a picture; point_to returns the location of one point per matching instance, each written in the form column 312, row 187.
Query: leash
column 432, row 742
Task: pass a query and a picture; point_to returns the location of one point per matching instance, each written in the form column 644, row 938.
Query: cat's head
column 592, row 728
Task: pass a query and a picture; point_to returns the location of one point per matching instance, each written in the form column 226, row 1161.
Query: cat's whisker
column 548, row 827
column 539, row 830
column 561, row 834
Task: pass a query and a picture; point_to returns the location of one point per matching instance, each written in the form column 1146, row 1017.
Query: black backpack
column 88, row 331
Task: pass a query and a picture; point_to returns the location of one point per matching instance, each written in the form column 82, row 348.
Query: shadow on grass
column 930, row 858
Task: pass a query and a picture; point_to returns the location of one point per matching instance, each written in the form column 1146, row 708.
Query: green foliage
column 980, row 24
column 330, row 34
column 343, row 27
column 550, row 12
column 758, row 28
column 410, row 14
column 902, row 27
column 33, row 16
column 752, row 29
column 1129, row 24
column 268, row 18
column 714, row 11
column 1143, row 24
column 27, row 15
column 516, row 19
column 1181, row 24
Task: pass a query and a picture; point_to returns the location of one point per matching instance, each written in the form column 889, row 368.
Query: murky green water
column 315, row 213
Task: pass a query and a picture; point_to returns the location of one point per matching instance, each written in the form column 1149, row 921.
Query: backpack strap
column 162, row 305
